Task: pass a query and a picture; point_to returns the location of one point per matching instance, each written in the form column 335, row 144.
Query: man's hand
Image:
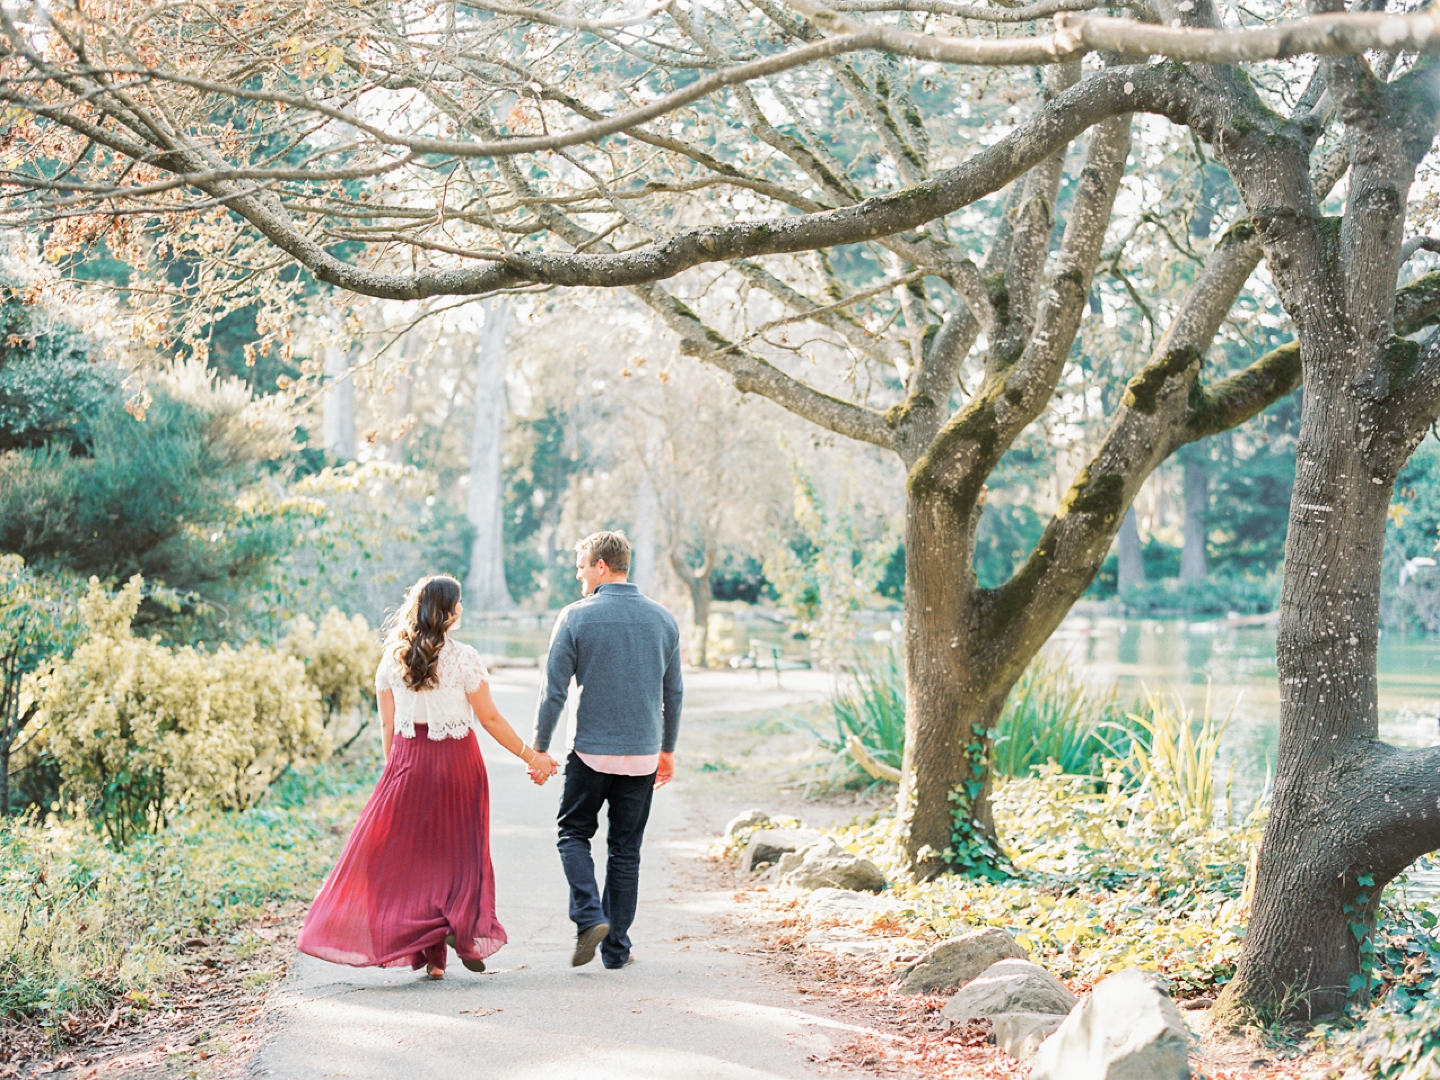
column 666, row 770
column 542, row 767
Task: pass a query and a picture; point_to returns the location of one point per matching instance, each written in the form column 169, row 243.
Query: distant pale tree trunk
column 642, row 544
column 400, row 405
column 485, row 500
column 1128, row 554
column 338, row 423
column 1193, row 565
column 697, row 581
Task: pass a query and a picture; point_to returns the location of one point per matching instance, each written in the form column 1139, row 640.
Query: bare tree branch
column 754, row 375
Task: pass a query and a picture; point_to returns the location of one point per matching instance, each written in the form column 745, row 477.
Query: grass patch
column 83, row 926
column 1051, row 717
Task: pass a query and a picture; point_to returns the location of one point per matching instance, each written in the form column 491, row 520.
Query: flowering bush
column 137, row 728
column 340, row 658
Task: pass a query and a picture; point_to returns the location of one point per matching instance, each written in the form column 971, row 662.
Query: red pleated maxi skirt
column 417, row 866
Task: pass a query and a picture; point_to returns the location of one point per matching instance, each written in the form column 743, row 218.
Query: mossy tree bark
column 1348, row 812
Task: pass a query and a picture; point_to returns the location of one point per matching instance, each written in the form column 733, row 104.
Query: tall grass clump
column 1177, row 758
column 873, row 709
column 869, row 715
column 1052, row 716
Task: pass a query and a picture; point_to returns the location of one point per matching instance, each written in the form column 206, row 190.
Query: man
column 623, row 650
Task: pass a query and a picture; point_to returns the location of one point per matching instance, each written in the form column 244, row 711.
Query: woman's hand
column 542, row 766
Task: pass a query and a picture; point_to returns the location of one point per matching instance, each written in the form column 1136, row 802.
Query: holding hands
column 541, row 766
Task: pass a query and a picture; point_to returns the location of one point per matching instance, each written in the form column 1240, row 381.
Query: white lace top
column 444, row 709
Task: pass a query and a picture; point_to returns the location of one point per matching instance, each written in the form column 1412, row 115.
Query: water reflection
column 1234, row 666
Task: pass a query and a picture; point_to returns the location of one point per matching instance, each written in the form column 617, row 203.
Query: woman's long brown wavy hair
column 419, row 628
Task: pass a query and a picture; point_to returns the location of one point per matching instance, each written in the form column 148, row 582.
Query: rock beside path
column 825, row 864
column 959, row 960
column 1010, row 986
column 767, row 845
column 1021, row 1034
column 750, row 819
column 1129, row 1029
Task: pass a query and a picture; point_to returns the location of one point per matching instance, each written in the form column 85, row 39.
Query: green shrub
column 82, row 925
column 38, row 620
column 1216, row 594
column 49, row 386
column 138, row 729
column 340, row 658
column 165, row 497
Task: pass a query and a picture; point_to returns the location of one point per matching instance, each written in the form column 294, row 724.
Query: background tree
column 116, row 120
column 716, row 482
column 484, row 495
column 39, row 622
column 100, row 491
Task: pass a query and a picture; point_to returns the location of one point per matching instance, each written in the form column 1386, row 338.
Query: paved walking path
column 687, row 1009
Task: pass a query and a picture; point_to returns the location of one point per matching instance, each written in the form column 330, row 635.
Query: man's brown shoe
column 587, row 942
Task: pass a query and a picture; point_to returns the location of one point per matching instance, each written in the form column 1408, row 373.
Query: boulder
column 1129, row 1029
column 767, row 845
column 1010, row 986
column 956, row 961
column 750, row 819
column 1020, row 1034
column 787, row 862
column 825, row 864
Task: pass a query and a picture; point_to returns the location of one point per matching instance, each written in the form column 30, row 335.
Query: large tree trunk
column 1348, row 812
column 1129, row 555
column 1193, row 563
column 942, row 715
column 700, row 599
column 485, row 500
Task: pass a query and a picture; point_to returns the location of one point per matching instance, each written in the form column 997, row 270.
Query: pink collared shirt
column 621, row 764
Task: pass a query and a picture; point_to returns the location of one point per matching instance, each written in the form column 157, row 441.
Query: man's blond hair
column 613, row 547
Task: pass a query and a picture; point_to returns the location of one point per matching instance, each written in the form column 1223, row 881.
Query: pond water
column 1234, row 665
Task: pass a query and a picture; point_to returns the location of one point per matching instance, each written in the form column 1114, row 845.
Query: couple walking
column 415, row 875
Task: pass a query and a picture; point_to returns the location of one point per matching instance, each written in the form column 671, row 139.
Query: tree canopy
column 868, row 213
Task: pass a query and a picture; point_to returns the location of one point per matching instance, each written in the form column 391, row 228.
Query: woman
column 415, row 874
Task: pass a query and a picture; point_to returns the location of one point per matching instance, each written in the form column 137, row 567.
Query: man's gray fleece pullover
column 623, row 650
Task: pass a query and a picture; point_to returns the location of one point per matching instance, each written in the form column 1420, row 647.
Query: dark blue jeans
column 629, row 797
